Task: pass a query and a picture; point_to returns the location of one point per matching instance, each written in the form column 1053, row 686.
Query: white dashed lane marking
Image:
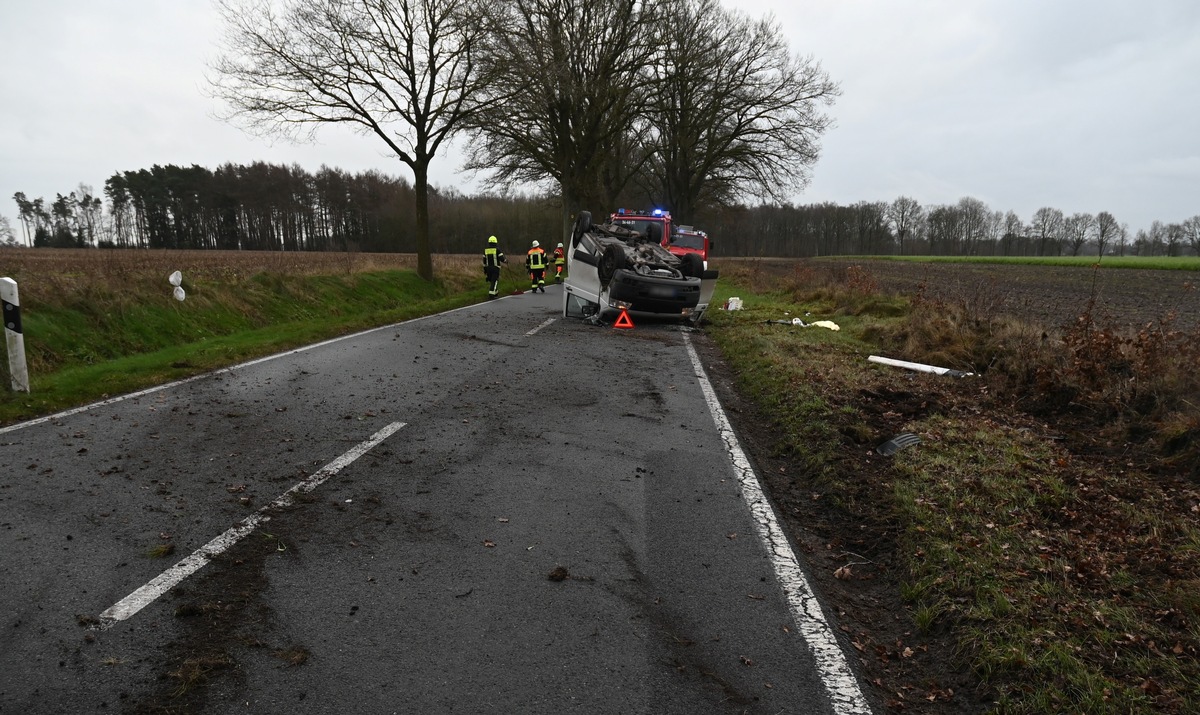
column 144, row 596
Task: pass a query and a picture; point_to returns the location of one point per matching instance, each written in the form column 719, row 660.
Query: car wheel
column 691, row 265
column 583, row 224
column 611, row 261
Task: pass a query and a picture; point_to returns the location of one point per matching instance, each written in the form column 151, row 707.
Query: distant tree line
column 279, row 208
column 967, row 228
column 266, row 207
column 70, row 221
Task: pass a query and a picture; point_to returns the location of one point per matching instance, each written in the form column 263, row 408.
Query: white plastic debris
column 179, row 294
column 175, row 278
column 733, row 304
column 816, row 324
column 919, row 367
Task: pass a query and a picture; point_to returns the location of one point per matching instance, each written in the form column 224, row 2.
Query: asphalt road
column 549, row 519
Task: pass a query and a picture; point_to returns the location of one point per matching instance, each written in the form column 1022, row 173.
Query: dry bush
column 762, row 275
column 861, row 281
column 1140, row 385
column 1137, row 388
column 841, row 290
column 968, row 333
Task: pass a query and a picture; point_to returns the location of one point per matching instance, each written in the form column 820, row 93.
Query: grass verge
column 120, row 330
column 1057, row 556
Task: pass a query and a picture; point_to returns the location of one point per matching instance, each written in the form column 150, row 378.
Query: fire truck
column 657, row 224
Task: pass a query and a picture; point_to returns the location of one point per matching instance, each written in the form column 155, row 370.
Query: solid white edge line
column 839, row 680
column 165, row 581
column 220, row 371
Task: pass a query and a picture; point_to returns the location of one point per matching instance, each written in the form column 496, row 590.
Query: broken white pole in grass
column 13, row 337
column 919, row 367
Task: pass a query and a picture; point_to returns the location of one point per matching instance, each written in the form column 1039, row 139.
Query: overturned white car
column 611, row 268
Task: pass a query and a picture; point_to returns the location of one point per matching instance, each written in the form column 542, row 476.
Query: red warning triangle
column 623, row 320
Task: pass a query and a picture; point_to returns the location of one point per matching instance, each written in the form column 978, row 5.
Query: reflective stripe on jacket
column 536, row 258
column 492, row 257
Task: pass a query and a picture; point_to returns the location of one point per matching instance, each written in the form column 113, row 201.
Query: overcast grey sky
column 1082, row 105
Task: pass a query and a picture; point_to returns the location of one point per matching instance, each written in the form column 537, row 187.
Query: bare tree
column 401, row 70
column 735, row 114
column 1122, row 239
column 904, row 214
column 1191, row 232
column 1077, row 229
column 993, row 232
column 1142, row 243
column 565, row 101
column 1047, row 226
column 1173, row 236
column 945, row 228
column 1013, row 240
column 1155, row 240
column 7, row 237
column 870, row 227
column 1106, row 229
column 975, row 216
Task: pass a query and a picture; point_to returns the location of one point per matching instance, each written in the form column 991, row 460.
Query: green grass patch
column 106, row 338
column 773, row 361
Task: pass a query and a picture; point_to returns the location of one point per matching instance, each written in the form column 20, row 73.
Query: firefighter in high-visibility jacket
column 560, row 262
column 492, row 258
column 535, row 261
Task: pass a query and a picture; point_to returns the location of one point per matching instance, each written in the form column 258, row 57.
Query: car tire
column 691, row 265
column 583, row 224
column 611, row 261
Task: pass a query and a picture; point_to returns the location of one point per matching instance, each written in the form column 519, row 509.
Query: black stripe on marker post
column 12, row 316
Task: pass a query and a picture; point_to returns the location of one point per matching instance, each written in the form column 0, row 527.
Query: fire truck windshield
column 689, row 240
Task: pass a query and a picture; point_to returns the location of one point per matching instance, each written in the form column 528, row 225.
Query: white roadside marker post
column 13, row 337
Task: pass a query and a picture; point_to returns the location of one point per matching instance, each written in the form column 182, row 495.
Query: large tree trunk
column 421, row 189
column 568, row 215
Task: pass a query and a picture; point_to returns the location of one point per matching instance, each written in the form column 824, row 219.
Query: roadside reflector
column 623, row 320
